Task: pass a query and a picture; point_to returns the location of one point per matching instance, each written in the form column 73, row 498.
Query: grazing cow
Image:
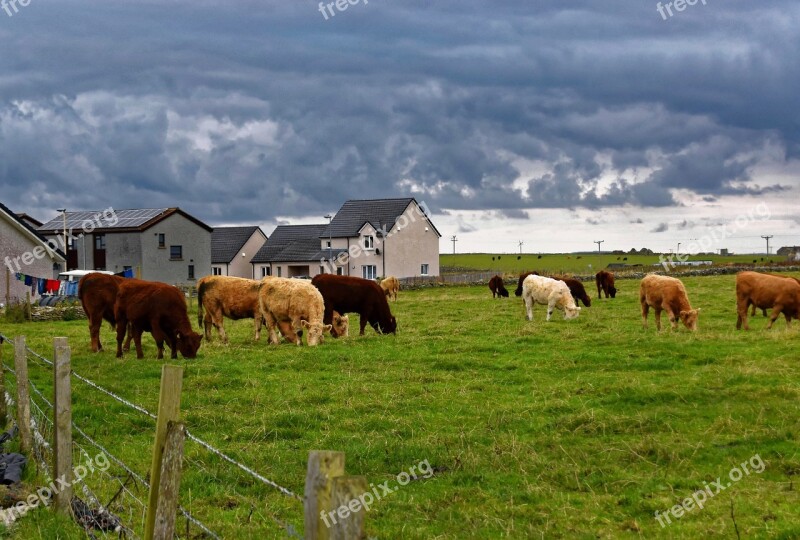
column 237, row 298
column 294, row 301
column 157, row 308
column 764, row 311
column 576, row 289
column 97, row 293
column 550, row 292
column 497, row 287
column 766, row 291
column 390, row 286
column 667, row 294
column 347, row 294
column 522, row 277
column 605, row 284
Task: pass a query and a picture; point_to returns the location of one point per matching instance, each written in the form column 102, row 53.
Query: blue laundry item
column 128, row 273
column 42, row 285
column 28, row 280
column 71, row 288
column 19, row 276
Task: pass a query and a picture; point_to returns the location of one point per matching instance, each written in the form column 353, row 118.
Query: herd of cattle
column 294, row 306
column 754, row 290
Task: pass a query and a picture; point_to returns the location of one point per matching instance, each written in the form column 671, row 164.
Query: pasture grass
column 584, row 263
column 564, row 429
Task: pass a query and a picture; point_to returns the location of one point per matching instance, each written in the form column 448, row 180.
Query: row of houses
column 365, row 238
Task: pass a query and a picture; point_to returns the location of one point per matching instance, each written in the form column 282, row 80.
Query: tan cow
column 390, row 286
column 550, row 292
column 237, row 298
column 766, row 291
column 667, row 294
column 296, row 302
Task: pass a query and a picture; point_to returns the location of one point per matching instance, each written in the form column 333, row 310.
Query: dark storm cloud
column 249, row 110
column 661, row 227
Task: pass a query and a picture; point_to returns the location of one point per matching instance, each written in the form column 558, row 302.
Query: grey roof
column 137, row 219
column 294, row 243
column 226, row 242
column 377, row 212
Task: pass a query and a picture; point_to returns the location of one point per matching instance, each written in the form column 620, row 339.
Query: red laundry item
column 52, row 285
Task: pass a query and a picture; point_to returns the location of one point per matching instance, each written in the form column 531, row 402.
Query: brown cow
column 605, row 284
column 522, row 277
column 764, row 311
column 97, row 293
column 667, row 294
column 390, row 286
column 157, row 308
column 237, row 298
column 766, row 291
column 347, row 294
column 497, row 287
column 576, row 289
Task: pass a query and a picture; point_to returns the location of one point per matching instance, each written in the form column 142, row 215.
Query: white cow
column 550, row 292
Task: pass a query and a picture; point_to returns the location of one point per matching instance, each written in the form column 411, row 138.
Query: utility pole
column 330, row 242
column 454, row 240
column 520, row 246
column 598, row 242
column 767, row 237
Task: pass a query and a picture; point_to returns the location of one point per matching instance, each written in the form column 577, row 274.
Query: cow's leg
column 207, row 326
column 657, row 315
column 257, row 326
column 753, row 312
column 645, row 312
column 121, row 328
column 673, row 318
column 95, row 322
column 788, row 319
column 220, row 326
column 741, row 310
column 127, row 345
column 362, row 321
column 137, row 341
column 271, row 324
column 776, row 311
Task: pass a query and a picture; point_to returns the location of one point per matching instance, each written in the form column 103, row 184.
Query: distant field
column 567, row 429
column 589, row 264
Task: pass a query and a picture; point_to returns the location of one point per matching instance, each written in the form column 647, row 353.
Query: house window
column 216, row 270
column 327, row 243
column 175, row 253
column 191, row 271
column 321, row 269
column 423, row 270
column 266, row 271
column 279, row 271
column 339, row 271
column 99, row 241
column 369, row 242
column 369, row 271
column 162, row 240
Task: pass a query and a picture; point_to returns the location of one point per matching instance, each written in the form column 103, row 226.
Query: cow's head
column 571, row 312
column 390, row 327
column 504, row 292
column 315, row 331
column 689, row 318
column 612, row 292
column 189, row 343
column 340, row 325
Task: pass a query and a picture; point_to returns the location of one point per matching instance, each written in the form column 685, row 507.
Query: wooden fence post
column 23, row 395
column 169, row 405
column 348, row 522
column 323, row 467
column 62, row 435
column 3, row 405
column 166, row 512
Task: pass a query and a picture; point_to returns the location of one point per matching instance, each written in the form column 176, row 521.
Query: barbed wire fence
column 114, row 501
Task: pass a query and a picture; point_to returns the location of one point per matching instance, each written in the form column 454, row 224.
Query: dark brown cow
column 157, row 308
column 577, row 290
column 497, row 287
column 766, row 291
column 347, row 294
column 522, row 277
column 97, row 293
column 605, row 284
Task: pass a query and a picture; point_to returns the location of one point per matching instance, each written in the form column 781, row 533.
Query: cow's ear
column 327, row 328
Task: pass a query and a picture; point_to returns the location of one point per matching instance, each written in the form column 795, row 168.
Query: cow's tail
column 200, row 291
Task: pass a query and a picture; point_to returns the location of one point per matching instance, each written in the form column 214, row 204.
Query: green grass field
column 562, row 263
column 565, row 429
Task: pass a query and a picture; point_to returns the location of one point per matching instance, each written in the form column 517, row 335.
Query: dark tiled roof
column 138, row 219
column 294, row 243
column 30, row 229
column 355, row 213
column 226, row 242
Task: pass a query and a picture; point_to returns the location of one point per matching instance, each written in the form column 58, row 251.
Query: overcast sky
column 553, row 122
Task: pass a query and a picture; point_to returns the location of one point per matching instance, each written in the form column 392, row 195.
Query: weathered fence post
column 166, row 512
column 23, row 395
column 348, row 522
column 62, row 404
column 323, row 467
column 169, row 405
column 3, row 404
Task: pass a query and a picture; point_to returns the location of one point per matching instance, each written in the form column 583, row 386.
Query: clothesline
column 41, row 286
